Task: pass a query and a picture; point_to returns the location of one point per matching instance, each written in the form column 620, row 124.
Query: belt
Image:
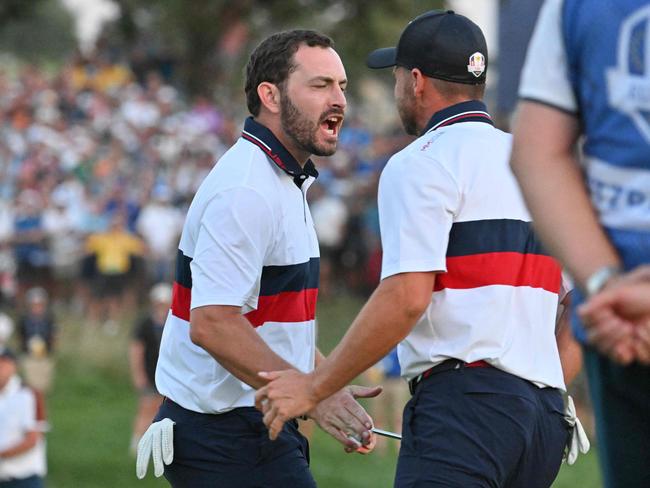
column 447, row 365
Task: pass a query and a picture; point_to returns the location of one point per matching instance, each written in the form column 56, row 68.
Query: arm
column 568, row 347
column 226, row 334
column 388, row 317
column 28, row 442
column 230, row 339
column 544, row 162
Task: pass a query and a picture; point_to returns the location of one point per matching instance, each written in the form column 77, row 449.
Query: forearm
column 554, row 190
column 28, row 442
column 382, row 323
column 233, row 342
column 568, row 348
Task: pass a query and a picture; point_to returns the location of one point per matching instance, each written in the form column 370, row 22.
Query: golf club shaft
column 387, row 433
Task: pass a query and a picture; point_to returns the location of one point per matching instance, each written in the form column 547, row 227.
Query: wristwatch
column 599, row 279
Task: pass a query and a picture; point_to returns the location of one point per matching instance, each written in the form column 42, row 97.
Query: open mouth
column 332, row 124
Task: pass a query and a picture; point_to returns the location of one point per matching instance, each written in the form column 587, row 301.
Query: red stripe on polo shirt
column 288, row 306
column 500, row 268
column 181, row 298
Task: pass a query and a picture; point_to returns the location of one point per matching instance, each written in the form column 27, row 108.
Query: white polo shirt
column 17, row 418
column 449, row 203
column 248, row 241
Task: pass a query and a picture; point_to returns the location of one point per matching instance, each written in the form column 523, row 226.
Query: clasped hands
column 617, row 319
column 290, row 394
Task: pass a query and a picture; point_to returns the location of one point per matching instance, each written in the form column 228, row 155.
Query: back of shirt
column 593, row 62
column 449, row 203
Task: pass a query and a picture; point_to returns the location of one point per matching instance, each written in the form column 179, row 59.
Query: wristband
column 599, row 279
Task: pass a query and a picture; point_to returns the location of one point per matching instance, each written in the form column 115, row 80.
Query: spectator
column 160, row 224
column 114, row 251
column 143, row 356
column 22, row 449
column 37, row 332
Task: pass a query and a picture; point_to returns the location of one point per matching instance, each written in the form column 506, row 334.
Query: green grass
column 92, row 407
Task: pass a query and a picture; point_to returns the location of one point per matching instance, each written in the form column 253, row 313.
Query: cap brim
column 382, row 58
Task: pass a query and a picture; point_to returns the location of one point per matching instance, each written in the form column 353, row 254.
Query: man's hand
column 611, row 335
column 158, row 443
column 343, row 418
column 290, row 394
column 618, row 318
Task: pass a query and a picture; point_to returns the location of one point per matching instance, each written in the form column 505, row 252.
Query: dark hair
column 272, row 61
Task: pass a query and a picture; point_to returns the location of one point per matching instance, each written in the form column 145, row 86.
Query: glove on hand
column 578, row 441
column 157, row 443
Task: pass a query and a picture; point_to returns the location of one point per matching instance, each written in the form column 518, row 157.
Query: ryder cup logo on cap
column 440, row 44
column 476, row 64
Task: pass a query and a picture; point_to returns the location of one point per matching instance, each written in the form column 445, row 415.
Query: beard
column 301, row 130
column 406, row 112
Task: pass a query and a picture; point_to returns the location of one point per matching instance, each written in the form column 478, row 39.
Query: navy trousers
column 481, row 427
column 30, row 482
column 621, row 400
column 233, row 450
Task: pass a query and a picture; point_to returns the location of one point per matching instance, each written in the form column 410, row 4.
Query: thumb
column 365, row 391
column 269, row 375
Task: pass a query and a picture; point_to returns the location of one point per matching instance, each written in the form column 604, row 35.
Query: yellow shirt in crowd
column 114, row 251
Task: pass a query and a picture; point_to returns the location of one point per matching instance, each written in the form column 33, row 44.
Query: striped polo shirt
column 449, row 203
column 248, row 241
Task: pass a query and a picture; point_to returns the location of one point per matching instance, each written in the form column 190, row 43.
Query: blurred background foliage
column 205, row 42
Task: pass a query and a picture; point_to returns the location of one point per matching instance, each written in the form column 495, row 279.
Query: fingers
column 642, row 344
column 261, row 398
column 270, row 375
column 350, row 444
column 168, row 442
column 365, row 391
column 156, row 454
column 144, row 453
column 368, row 448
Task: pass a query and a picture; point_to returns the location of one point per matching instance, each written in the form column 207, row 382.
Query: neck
column 435, row 105
column 274, row 124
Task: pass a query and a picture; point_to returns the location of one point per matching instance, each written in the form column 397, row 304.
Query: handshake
column 617, row 318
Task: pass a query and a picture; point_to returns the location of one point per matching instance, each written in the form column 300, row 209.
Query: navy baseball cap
column 441, row 44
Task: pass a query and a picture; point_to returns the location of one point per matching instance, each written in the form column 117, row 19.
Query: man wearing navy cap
column 466, row 286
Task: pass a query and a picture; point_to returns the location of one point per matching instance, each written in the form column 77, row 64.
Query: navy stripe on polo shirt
column 497, row 252
column 287, row 293
column 182, row 289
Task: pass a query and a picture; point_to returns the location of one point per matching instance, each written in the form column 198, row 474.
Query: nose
column 338, row 98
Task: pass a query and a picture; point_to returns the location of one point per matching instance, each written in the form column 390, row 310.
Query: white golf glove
column 158, row 443
column 578, row 441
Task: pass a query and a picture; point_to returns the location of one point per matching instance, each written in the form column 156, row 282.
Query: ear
column 269, row 96
column 419, row 82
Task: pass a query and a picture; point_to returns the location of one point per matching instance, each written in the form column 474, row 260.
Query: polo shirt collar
column 262, row 137
column 470, row 111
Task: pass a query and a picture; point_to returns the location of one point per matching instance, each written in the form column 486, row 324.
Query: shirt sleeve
column 417, row 202
column 235, row 234
column 545, row 76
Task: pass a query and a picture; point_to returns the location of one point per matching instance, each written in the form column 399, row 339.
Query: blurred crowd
column 97, row 168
